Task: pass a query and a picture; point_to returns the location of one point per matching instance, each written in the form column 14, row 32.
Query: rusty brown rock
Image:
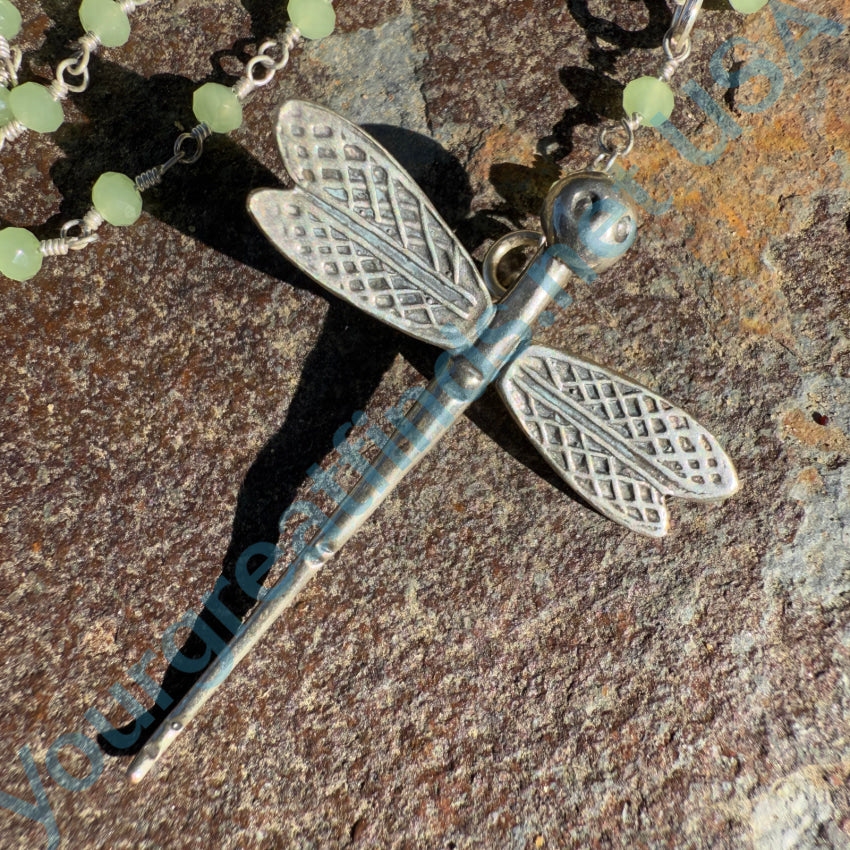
column 488, row 663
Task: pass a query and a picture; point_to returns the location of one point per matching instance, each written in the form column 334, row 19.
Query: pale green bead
column 747, row 7
column 116, row 198
column 651, row 98
column 33, row 106
column 107, row 20
column 20, row 253
column 315, row 18
column 218, row 107
column 10, row 20
column 5, row 109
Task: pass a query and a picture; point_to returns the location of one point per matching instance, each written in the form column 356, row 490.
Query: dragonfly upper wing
column 359, row 225
column 619, row 445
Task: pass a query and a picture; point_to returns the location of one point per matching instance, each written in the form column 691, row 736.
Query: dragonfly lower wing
column 371, row 274
column 611, row 486
column 619, row 445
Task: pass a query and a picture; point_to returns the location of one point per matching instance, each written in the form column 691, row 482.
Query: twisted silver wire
column 11, row 131
column 677, row 48
column 10, row 62
column 259, row 71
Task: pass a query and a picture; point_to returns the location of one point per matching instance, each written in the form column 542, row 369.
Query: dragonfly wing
column 360, row 226
column 619, row 445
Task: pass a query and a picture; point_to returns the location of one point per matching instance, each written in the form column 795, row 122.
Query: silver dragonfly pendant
column 359, row 225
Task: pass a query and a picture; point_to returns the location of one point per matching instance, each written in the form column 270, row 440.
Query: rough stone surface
column 488, row 664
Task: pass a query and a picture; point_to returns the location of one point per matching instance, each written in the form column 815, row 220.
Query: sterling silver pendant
column 358, row 225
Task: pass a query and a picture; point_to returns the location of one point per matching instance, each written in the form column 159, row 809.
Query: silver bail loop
column 516, row 240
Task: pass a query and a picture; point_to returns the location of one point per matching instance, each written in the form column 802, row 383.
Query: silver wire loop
column 10, row 62
column 253, row 78
column 198, row 134
column 271, row 44
column 76, row 67
column 621, row 149
column 684, row 18
column 153, row 176
column 514, row 241
column 259, row 78
column 612, row 150
column 88, row 224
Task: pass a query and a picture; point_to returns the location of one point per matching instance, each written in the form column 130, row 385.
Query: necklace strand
column 117, row 199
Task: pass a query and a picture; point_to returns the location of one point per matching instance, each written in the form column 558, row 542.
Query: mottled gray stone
column 489, row 664
column 384, row 62
column 796, row 813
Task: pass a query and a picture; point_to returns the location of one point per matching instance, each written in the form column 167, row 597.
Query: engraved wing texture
column 620, row 446
column 359, row 225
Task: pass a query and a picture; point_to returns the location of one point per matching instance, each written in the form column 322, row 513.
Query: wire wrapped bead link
column 677, row 48
column 153, row 176
column 76, row 65
column 253, row 78
column 10, row 62
column 259, row 71
column 88, row 224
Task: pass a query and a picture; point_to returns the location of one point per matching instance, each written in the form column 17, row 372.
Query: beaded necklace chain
column 116, row 198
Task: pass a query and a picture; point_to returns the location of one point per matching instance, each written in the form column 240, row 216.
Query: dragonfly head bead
column 589, row 213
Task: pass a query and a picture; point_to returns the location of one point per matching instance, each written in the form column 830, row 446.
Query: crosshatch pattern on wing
column 619, row 445
column 360, row 226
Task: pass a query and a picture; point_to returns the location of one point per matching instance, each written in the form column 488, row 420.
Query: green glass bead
column 10, row 20
column 747, row 7
column 20, row 253
column 33, row 106
column 5, row 109
column 651, row 98
column 107, row 20
column 315, row 18
column 116, row 198
column 218, row 107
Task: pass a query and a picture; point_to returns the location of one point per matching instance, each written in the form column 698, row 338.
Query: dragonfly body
column 461, row 376
column 459, row 380
column 360, row 226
